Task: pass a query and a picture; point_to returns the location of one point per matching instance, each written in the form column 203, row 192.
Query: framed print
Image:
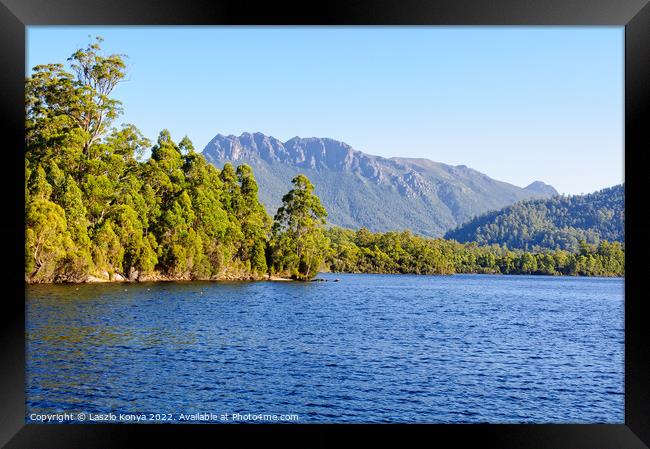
column 392, row 219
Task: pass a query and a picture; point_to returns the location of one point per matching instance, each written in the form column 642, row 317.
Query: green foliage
column 46, row 239
column 560, row 222
column 37, row 185
column 298, row 244
column 403, row 252
column 255, row 222
column 95, row 208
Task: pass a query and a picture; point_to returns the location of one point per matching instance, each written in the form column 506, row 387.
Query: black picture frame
column 634, row 15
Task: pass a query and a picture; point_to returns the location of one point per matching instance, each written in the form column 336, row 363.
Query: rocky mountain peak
column 310, row 152
column 360, row 189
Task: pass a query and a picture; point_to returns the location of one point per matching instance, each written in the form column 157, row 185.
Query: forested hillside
column 561, row 222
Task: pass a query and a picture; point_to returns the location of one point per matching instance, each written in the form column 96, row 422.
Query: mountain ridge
column 426, row 197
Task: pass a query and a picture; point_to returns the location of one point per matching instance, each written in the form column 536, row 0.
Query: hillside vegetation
column 560, row 222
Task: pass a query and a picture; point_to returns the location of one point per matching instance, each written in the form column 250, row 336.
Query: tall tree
column 73, row 111
column 255, row 222
column 298, row 244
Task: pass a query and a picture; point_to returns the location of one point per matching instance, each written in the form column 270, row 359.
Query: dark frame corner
column 15, row 15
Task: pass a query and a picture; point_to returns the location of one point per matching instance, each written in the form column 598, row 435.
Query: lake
column 370, row 348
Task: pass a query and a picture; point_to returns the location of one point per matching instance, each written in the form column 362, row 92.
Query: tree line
column 402, row 252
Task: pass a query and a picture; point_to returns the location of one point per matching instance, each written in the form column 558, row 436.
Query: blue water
column 370, row 348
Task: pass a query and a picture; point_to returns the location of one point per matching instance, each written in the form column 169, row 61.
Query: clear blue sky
column 517, row 103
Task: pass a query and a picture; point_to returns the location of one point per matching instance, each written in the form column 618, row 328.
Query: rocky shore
column 158, row 277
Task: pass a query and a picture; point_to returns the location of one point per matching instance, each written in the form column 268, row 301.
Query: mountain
column 541, row 188
column 359, row 189
column 555, row 223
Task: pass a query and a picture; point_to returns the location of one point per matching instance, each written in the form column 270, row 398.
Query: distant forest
column 97, row 210
column 402, row 252
column 560, row 222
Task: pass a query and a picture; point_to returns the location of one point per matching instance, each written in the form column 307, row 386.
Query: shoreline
column 275, row 278
column 160, row 278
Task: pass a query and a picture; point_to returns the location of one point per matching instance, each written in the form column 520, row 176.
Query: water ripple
column 370, row 348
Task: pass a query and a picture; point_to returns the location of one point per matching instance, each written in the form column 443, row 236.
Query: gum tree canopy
column 94, row 208
column 298, row 243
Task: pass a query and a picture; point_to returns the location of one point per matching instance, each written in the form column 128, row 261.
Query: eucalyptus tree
column 298, row 243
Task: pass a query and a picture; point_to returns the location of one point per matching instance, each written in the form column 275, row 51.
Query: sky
column 517, row 103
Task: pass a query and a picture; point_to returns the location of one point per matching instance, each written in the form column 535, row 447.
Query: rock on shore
column 134, row 276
